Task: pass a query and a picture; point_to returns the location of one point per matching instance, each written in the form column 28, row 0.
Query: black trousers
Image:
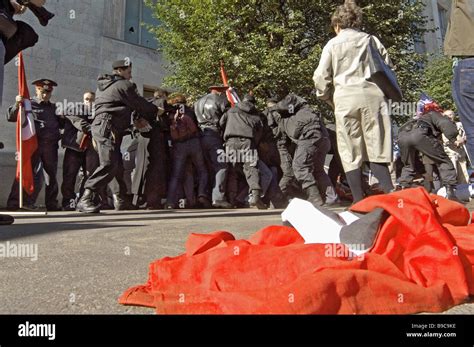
column 107, row 142
column 417, row 139
column 244, row 157
column 288, row 179
column 308, row 162
column 157, row 171
column 47, row 154
column 73, row 162
column 13, row 201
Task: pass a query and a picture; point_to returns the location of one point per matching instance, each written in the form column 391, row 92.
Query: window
column 137, row 14
column 443, row 20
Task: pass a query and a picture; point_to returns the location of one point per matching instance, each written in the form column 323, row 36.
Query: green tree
column 273, row 46
column 438, row 75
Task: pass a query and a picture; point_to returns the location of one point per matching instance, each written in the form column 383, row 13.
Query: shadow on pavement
column 24, row 230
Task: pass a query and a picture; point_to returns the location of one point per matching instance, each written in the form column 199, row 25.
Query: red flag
column 230, row 92
column 25, row 124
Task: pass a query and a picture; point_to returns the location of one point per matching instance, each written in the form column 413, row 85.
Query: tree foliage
column 273, row 46
column 437, row 81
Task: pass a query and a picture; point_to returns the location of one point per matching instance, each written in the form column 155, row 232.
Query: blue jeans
column 212, row 145
column 182, row 151
column 463, row 94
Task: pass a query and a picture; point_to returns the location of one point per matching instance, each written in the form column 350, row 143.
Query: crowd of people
column 214, row 154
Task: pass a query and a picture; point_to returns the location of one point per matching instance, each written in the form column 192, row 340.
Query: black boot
column 6, row 219
column 120, row 204
column 256, row 201
column 354, row 179
column 313, row 195
column 86, row 203
column 451, row 194
column 279, row 200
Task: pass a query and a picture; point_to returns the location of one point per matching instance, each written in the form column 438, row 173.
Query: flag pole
column 21, row 156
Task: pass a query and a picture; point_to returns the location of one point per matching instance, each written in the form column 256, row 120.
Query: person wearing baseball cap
column 48, row 124
column 116, row 98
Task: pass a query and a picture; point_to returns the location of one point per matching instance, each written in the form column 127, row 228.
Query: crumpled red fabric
column 422, row 261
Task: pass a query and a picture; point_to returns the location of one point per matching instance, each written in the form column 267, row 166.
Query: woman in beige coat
column 363, row 124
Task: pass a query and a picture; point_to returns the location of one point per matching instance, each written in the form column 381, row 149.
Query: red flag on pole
column 26, row 140
column 230, row 92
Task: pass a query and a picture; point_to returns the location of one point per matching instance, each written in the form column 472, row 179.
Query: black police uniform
column 116, row 98
column 242, row 132
column 79, row 153
column 305, row 128
column 422, row 135
column 209, row 109
column 288, row 183
column 48, row 125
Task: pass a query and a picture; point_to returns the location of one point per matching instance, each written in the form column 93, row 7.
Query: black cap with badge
column 45, row 83
column 124, row 63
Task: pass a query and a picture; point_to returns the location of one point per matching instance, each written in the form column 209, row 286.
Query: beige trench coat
column 459, row 39
column 363, row 124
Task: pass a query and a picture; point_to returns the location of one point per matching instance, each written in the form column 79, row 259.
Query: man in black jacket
column 116, row 98
column 209, row 110
column 79, row 153
column 305, row 128
column 242, row 132
column 421, row 134
column 288, row 183
column 48, row 124
column 150, row 179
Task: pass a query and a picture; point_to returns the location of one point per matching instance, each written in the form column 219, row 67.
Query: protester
column 186, row 146
column 455, row 151
column 79, row 153
column 209, row 110
column 421, row 134
column 150, row 178
column 361, row 110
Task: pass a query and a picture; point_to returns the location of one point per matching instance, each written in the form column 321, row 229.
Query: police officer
column 421, row 134
column 209, row 109
column 48, row 125
column 79, row 153
column 304, row 127
column 242, row 131
column 288, row 183
column 116, row 98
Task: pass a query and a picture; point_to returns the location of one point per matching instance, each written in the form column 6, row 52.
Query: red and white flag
column 25, row 123
column 230, row 92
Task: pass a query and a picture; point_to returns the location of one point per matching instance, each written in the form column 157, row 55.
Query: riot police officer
column 209, row 109
column 116, row 98
column 305, row 128
column 288, row 183
column 242, row 131
column 48, row 125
